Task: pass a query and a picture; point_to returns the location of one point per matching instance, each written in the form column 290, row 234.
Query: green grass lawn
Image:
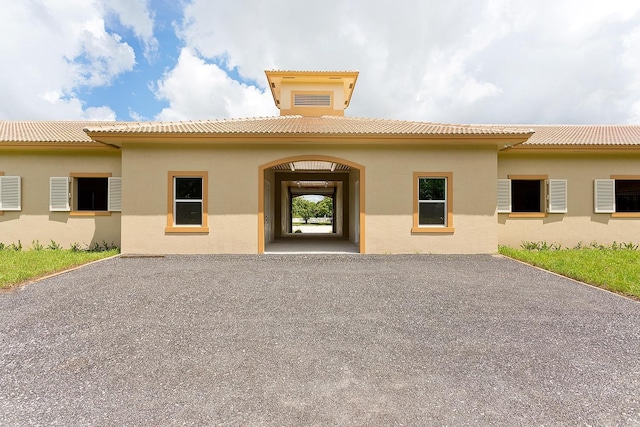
column 19, row 266
column 616, row 270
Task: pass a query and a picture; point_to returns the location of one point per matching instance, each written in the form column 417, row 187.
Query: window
column 92, row 194
column 531, row 195
column 627, row 195
column 10, row 193
column 526, row 195
column 619, row 195
column 432, row 202
column 86, row 194
column 187, row 203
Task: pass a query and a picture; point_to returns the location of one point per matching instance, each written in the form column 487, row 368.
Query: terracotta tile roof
column 589, row 135
column 47, row 131
column 26, row 132
column 282, row 125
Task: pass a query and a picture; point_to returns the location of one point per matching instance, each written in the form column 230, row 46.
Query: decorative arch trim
column 310, row 157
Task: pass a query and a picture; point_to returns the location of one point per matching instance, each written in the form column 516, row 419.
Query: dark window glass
column 188, row 199
column 92, row 194
column 525, row 195
column 188, row 188
column 627, row 195
column 431, row 213
column 188, row 213
column 432, row 189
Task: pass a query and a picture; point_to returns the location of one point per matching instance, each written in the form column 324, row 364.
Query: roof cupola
column 312, row 93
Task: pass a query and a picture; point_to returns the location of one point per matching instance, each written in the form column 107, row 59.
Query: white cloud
column 101, row 55
column 495, row 61
column 196, row 89
column 50, row 50
column 504, row 61
column 136, row 15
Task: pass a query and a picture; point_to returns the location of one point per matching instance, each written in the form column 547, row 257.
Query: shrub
column 544, row 246
column 15, row 247
column 540, row 246
column 53, row 246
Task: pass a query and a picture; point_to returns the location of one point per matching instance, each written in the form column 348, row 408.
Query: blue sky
column 129, row 93
column 460, row 61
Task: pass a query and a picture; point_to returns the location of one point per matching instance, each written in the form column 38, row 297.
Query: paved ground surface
column 313, row 229
column 317, row 340
column 312, row 244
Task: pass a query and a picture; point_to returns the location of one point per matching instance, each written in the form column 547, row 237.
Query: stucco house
column 225, row 186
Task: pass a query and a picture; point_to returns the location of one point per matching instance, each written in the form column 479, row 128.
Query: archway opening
column 311, row 204
column 312, row 211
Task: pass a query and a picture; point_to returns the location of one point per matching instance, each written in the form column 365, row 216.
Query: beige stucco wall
column 389, row 199
column 35, row 221
column 233, row 200
column 233, row 196
column 580, row 223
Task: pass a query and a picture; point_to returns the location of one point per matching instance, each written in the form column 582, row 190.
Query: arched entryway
column 308, row 176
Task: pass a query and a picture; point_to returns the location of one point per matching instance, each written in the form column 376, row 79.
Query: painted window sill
column 422, row 230
column 528, row 215
column 625, row 215
column 178, row 230
column 89, row 213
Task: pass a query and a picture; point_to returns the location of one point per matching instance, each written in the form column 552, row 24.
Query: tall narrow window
column 187, row 205
column 433, row 203
column 188, row 197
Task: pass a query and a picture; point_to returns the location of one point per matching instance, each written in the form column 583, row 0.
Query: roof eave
column 118, row 139
column 575, row 148
column 92, row 145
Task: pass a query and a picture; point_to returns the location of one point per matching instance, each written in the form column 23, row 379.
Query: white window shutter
column 10, row 194
column 557, row 196
column 59, row 193
column 604, row 195
column 504, row 196
column 114, row 203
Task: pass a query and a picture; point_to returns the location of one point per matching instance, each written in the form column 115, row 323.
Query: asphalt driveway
column 317, row 340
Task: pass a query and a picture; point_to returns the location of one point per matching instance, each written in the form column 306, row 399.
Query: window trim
column 74, row 200
column 448, row 228
column 171, row 226
column 624, row 214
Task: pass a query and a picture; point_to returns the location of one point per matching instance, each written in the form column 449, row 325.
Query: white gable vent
column 311, row 100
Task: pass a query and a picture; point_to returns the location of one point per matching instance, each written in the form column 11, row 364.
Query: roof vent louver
column 312, row 100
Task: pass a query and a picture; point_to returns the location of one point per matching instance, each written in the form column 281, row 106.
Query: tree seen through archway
column 305, row 208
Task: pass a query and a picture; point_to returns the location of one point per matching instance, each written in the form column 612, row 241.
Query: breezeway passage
column 317, row 339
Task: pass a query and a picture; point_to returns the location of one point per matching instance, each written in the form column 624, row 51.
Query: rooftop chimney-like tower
column 312, row 93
